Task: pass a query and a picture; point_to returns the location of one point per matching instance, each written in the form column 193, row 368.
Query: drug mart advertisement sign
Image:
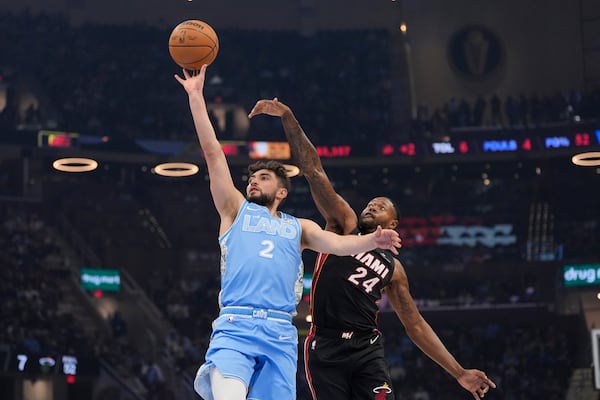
column 581, row 275
column 100, row 279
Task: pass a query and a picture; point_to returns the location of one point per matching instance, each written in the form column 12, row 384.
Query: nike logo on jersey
column 253, row 208
column 373, row 339
column 282, row 337
column 385, row 257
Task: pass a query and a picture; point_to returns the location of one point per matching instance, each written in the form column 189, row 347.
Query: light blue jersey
column 253, row 338
column 261, row 262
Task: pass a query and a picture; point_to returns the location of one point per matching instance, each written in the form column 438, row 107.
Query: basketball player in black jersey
column 344, row 356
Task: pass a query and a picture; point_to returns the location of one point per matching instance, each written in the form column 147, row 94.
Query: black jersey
column 346, row 289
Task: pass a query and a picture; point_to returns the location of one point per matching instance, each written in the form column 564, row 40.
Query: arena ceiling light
column 73, row 164
column 588, row 159
column 291, row 170
column 176, row 169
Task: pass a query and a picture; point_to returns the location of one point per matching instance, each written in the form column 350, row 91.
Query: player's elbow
column 314, row 173
column 212, row 152
column 417, row 329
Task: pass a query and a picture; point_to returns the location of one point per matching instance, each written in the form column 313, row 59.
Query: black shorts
column 346, row 365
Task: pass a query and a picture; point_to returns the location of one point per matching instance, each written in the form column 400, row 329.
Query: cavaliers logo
column 475, row 52
column 382, row 391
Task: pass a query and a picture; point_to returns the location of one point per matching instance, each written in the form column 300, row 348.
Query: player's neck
column 273, row 208
column 274, row 211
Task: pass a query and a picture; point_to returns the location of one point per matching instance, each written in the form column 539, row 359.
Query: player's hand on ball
column 194, row 82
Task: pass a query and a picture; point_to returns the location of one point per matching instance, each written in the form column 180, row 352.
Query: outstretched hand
column 476, row 382
column 270, row 107
column 194, row 82
column 387, row 239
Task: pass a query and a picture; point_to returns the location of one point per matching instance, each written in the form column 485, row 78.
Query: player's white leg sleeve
column 226, row 388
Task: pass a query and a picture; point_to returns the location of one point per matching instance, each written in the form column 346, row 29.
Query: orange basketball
column 193, row 43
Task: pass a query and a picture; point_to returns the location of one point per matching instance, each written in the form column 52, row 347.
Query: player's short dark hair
column 275, row 166
column 396, row 209
column 394, row 205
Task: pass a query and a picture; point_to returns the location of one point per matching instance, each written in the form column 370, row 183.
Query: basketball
column 193, row 43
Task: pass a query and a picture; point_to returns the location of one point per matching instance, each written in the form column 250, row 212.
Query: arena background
column 466, row 113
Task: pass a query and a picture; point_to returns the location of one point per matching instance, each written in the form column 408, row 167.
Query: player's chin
column 367, row 225
column 258, row 198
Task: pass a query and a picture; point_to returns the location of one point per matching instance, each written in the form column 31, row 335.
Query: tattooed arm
column 338, row 214
column 421, row 333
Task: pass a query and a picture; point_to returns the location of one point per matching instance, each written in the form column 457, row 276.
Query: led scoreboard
column 461, row 145
column 537, row 141
column 580, row 139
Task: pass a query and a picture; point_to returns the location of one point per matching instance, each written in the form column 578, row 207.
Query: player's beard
column 367, row 226
column 262, row 200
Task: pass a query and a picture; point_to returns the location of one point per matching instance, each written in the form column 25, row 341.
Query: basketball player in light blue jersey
column 253, row 347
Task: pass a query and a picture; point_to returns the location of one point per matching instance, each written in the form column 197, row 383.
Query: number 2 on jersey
column 267, row 252
column 358, row 279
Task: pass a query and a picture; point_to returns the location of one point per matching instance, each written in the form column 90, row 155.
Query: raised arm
column 317, row 239
column 421, row 333
column 339, row 216
column 226, row 197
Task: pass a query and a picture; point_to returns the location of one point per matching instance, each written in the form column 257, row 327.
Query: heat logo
column 382, row 391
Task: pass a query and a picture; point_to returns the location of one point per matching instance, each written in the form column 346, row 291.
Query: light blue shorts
column 260, row 351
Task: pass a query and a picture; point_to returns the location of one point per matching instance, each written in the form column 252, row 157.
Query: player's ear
column 393, row 224
column 282, row 193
